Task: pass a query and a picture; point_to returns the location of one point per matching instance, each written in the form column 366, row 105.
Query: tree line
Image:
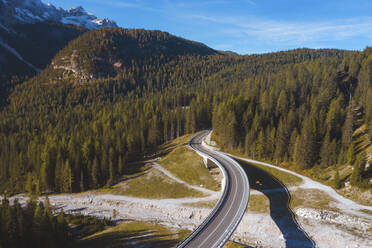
column 33, row 225
column 304, row 114
column 67, row 135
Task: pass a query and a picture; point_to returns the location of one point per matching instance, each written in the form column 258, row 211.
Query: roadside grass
column 134, row 234
column 317, row 173
column 286, row 178
column 311, row 198
column 324, row 175
column 141, row 180
column 202, row 204
column 232, row 244
column 151, row 184
column 188, row 166
column 168, row 147
column 139, row 234
column 258, row 203
column 158, row 186
column 274, row 179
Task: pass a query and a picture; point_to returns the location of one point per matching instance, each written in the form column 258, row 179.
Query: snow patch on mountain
column 5, row 28
column 26, row 15
column 33, row 11
column 15, row 53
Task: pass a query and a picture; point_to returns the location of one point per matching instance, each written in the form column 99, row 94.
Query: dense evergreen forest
column 37, row 44
column 36, row 225
column 33, row 225
column 112, row 95
column 305, row 114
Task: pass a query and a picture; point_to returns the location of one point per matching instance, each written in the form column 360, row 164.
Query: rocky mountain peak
column 33, row 11
column 77, row 11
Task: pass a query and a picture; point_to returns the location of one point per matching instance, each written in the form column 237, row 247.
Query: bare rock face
column 33, row 11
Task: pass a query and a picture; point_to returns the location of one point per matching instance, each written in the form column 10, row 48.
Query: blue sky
column 245, row 26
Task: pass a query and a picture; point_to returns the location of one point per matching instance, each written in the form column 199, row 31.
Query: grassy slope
column 138, row 234
column 151, row 183
column 202, row 204
column 141, row 180
column 309, row 198
column 157, row 186
column 185, row 164
column 317, row 173
column 135, row 234
column 286, row 178
column 297, row 197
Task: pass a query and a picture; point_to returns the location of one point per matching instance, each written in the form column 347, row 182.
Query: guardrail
column 225, row 190
column 243, row 204
column 220, row 202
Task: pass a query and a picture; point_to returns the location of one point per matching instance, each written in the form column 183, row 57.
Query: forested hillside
column 36, row 44
column 39, row 225
column 33, row 225
column 304, row 114
column 112, row 95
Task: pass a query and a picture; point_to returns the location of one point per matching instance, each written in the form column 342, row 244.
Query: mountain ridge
column 107, row 52
column 34, row 11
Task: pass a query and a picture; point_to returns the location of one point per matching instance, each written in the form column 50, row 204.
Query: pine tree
column 111, row 178
column 336, row 180
column 351, row 154
column 282, row 141
column 37, row 187
column 306, row 154
column 82, row 180
column 347, row 132
column 96, row 174
column 29, row 184
column 325, row 151
column 121, row 165
column 282, row 106
column 260, row 146
column 88, row 150
column 67, row 177
column 292, row 144
column 356, row 175
column 49, row 158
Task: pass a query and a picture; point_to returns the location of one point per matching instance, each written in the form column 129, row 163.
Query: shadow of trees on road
column 280, row 212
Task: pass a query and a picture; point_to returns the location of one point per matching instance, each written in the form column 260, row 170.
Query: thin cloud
column 292, row 32
column 136, row 4
column 251, row 2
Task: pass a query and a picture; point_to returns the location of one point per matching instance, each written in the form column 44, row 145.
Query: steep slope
column 34, row 11
column 39, row 43
column 303, row 117
column 72, row 133
column 32, row 32
column 28, row 48
column 108, row 52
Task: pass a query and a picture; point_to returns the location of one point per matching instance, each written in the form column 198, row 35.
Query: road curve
column 217, row 228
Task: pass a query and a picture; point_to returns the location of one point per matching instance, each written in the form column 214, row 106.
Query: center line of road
column 228, row 211
column 244, row 190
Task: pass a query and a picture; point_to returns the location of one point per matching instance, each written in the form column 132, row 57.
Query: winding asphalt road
column 217, row 228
